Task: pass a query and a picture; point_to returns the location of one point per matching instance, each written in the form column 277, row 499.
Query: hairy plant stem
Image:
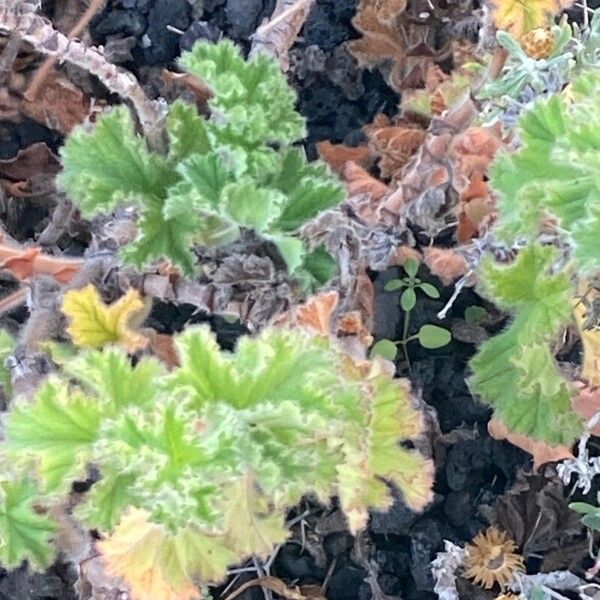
column 20, row 17
column 405, row 339
column 38, row 79
column 24, row 263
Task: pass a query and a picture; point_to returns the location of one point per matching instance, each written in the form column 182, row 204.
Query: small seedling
column 429, row 336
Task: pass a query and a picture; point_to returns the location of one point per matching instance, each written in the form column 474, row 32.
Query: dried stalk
column 38, row 79
column 25, row 263
column 275, row 37
column 13, row 300
column 20, row 17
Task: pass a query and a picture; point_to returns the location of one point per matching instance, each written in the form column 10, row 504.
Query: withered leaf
column 382, row 38
column 337, row 155
column 58, row 105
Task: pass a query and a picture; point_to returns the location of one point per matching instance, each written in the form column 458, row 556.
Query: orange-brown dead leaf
column 163, row 347
column 317, row 311
column 394, row 144
column 36, row 159
column 586, row 402
column 187, row 81
column 382, row 38
column 402, row 254
column 541, row 452
column 359, row 181
column 58, row 104
column 446, row 264
column 337, row 155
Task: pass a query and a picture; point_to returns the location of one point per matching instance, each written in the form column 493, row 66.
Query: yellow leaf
column 135, row 552
column 251, row 527
column 520, row 16
column 94, row 323
column 590, row 339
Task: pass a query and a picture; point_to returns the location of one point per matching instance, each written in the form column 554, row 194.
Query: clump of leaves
column 516, row 371
column 525, row 79
column 199, row 465
column 521, row 16
column 562, row 131
column 429, row 336
column 236, row 170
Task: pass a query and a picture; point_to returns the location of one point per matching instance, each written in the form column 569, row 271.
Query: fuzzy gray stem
column 20, row 17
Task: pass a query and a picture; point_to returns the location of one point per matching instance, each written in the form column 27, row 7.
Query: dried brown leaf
column 337, row 155
column 316, row 313
column 394, row 144
column 359, row 181
column 163, row 347
column 36, row 158
column 586, row 402
column 382, row 38
column 200, row 90
column 58, row 104
column 446, row 264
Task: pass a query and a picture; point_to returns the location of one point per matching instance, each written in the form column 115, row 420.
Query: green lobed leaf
column 111, row 164
column 219, row 448
column 24, row 533
column 254, row 102
column 566, row 135
column 515, row 371
column 58, row 430
column 307, row 200
column 188, row 133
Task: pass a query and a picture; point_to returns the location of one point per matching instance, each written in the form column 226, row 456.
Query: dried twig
column 20, row 17
column 275, row 37
column 13, row 300
column 25, row 263
column 36, row 83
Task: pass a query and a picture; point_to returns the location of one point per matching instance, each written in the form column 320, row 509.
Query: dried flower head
column 538, row 43
column 491, row 558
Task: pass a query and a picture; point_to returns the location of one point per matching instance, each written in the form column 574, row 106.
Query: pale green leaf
column 384, row 348
column 432, row 336
column 24, row 533
column 394, row 284
column 408, row 299
column 7, row 345
column 429, row 289
column 187, row 131
column 411, row 266
column 111, row 164
column 58, row 429
column 252, row 207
